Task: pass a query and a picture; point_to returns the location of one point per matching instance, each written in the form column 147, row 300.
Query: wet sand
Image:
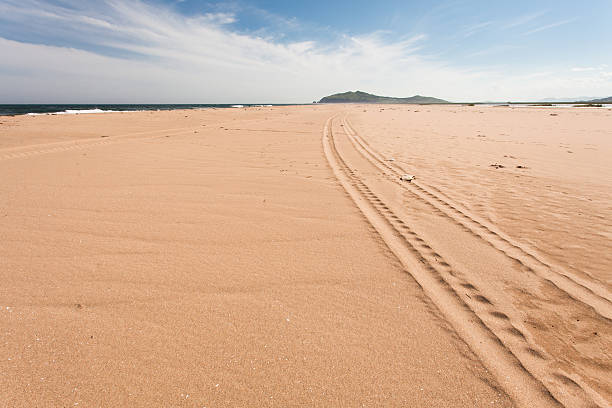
column 271, row 257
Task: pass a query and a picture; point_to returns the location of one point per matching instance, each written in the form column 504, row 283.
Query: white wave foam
column 72, row 112
column 237, row 106
column 77, row 111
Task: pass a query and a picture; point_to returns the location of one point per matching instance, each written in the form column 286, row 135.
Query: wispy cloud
column 132, row 51
column 549, row 26
column 584, row 69
column 496, row 49
column 601, row 70
column 524, row 19
column 476, row 28
column 199, row 56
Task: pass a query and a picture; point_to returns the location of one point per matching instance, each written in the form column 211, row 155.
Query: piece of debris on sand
column 407, row 177
column 497, row 166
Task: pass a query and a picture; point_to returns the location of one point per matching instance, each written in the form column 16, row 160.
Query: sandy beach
column 273, row 257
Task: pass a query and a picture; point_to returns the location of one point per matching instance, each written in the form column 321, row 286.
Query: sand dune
column 272, row 257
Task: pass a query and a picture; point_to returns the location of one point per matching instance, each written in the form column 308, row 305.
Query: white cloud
column 549, row 26
column 476, row 28
column 524, row 19
column 153, row 54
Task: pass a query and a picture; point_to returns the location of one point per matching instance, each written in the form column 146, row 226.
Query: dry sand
column 272, row 257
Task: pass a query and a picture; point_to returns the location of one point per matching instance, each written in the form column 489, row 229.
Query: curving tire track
column 25, row 152
column 589, row 293
column 473, row 316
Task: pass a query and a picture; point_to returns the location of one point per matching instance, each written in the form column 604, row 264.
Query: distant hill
column 363, row 97
column 602, row 100
column 573, row 99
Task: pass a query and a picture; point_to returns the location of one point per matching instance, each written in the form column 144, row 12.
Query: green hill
column 602, row 100
column 363, row 97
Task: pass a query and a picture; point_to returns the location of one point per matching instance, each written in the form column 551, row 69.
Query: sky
column 293, row 51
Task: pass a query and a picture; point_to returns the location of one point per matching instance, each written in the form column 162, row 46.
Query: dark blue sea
column 10, row 110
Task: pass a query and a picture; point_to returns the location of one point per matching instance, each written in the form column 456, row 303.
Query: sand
column 272, row 257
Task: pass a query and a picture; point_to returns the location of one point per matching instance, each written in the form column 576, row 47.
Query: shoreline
column 94, row 108
column 10, row 110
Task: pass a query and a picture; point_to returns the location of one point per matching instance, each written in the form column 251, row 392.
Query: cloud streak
column 131, row 51
column 476, row 28
column 549, row 26
column 524, row 19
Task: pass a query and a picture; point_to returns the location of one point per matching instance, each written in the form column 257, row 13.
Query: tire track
column 573, row 390
column 591, row 295
column 473, row 316
column 56, row 147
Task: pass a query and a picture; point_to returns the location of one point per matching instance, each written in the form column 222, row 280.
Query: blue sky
column 196, row 51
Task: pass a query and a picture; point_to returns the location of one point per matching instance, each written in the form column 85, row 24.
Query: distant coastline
column 70, row 109
column 75, row 109
column 364, row 97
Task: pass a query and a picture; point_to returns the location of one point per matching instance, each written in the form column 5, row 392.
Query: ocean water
column 10, row 110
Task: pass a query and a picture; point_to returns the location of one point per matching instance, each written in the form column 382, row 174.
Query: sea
column 62, row 109
column 11, row 110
